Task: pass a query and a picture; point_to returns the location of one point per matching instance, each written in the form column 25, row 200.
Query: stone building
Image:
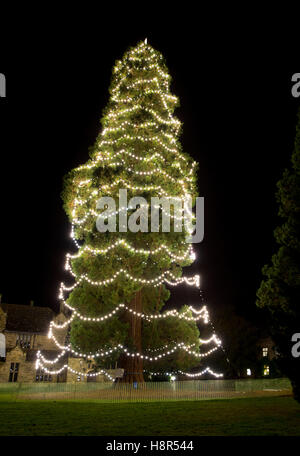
column 24, row 331
column 265, row 364
column 267, row 356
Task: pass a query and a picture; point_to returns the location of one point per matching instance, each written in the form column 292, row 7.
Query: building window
column 13, row 372
column 41, row 376
column 265, row 351
column 24, row 340
column 2, row 347
column 266, row 370
column 248, row 371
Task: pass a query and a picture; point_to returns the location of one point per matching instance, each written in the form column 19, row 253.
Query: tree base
column 133, row 366
column 133, row 370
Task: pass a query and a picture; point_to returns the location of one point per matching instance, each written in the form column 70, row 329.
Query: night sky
column 239, row 123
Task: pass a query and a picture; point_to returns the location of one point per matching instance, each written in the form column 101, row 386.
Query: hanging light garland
column 189, row 253
column 148, row 317
column 122, row 349
column 187, row 374
column 191, row 281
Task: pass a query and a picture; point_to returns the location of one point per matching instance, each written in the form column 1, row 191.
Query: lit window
column 248, row 371
column 266, row 370
column 265, row 351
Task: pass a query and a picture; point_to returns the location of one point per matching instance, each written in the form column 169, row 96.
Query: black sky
column 239, row 123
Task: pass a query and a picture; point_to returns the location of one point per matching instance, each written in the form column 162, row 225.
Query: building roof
column 24, row 318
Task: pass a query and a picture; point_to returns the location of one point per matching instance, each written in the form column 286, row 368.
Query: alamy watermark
column 160, row 215
column 296, row 346
column 296, row 87
column 2, row 86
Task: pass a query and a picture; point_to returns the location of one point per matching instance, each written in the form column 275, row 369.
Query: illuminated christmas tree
column 121, row 275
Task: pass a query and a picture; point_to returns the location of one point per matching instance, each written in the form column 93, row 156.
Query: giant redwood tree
column 122, row 277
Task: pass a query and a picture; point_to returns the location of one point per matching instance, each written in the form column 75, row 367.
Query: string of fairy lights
column 172, row 374
column 202, row 315
column 192, row 281
column 120, row 348
column 189, row 253
column 105, row 157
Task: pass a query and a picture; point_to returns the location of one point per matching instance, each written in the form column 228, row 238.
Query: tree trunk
column 133, row 365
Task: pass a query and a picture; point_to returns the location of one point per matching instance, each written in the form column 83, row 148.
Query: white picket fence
column 148, row 391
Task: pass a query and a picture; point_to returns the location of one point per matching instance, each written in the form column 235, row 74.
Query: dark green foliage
column 279, row 292
column 135, row 110
column 241, row 344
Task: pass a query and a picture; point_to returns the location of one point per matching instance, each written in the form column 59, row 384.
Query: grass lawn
column 240, row 417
